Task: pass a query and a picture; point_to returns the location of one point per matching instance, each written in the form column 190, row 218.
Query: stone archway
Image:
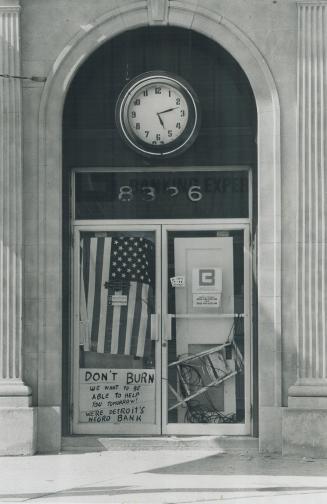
column 216, row 27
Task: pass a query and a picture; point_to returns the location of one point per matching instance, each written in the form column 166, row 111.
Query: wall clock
column 157, row 114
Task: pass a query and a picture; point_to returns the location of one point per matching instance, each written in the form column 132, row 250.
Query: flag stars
column 131, row 258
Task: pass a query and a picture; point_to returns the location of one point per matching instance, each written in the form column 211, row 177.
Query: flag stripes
column 107, row 267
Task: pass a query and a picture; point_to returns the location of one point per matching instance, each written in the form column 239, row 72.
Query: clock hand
column 160, row 120
column 167, row 110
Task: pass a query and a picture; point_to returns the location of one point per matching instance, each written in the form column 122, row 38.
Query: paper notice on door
column 118, row 300
column 208, row 300
column 177, row 281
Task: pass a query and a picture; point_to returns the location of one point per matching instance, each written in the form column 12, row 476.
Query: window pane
column 206, row 304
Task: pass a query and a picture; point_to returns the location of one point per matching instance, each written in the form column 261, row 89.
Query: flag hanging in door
column 116, row 295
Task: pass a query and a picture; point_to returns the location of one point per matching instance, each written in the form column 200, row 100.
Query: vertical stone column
column 307, row 417
column 16, row 417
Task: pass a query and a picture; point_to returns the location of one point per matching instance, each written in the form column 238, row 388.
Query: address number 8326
column 149, row 193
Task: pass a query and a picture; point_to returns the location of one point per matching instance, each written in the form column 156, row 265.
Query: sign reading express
column 117, row 396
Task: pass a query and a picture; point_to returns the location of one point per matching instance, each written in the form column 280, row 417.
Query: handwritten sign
column 117, row 396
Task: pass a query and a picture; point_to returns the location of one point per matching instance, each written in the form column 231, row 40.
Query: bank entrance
column 159, row 150
column 161, row 302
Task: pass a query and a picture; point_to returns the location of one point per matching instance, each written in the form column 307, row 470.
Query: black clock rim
column 188, row 136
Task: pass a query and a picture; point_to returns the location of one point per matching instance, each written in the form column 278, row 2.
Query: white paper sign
column 118, row 300
column 207, row 300
column 177, row 281
column 117, row 396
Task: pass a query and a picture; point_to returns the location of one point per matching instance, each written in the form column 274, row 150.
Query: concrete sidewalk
column 163, row 476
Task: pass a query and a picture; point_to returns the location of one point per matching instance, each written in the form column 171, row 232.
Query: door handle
column 167, row 326
column 154, row 327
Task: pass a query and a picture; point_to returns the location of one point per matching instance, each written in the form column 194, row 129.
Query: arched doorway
column 268, row 141
column 142, row 344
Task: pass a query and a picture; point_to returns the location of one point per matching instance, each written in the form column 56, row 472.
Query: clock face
column 157, row 114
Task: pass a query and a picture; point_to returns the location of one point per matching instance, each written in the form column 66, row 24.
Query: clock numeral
column 137, row 126
column 157, row 90
column 169, row 93
column 170, row 133
column 133, row 115
column 182, row 113
column 178, row 125
column 146, row 133
column 154, row 142
column 157, row 136
column 137, row 101
column 145, row 92
column 178, row 101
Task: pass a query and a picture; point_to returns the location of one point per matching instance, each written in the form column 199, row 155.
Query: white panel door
column 196, row 257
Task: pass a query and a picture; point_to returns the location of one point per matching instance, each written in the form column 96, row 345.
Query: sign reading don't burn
column 117, row 396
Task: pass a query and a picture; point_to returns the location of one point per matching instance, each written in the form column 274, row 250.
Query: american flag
column 116, row 294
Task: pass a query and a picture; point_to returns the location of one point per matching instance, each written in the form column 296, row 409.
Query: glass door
column 116, row 373
column 206, row 329
column 161, row 329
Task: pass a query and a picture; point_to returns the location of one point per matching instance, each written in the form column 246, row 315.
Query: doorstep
column 79, row 444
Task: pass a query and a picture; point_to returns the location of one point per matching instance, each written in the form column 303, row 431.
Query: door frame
column 161, row 228
column 222, row 428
